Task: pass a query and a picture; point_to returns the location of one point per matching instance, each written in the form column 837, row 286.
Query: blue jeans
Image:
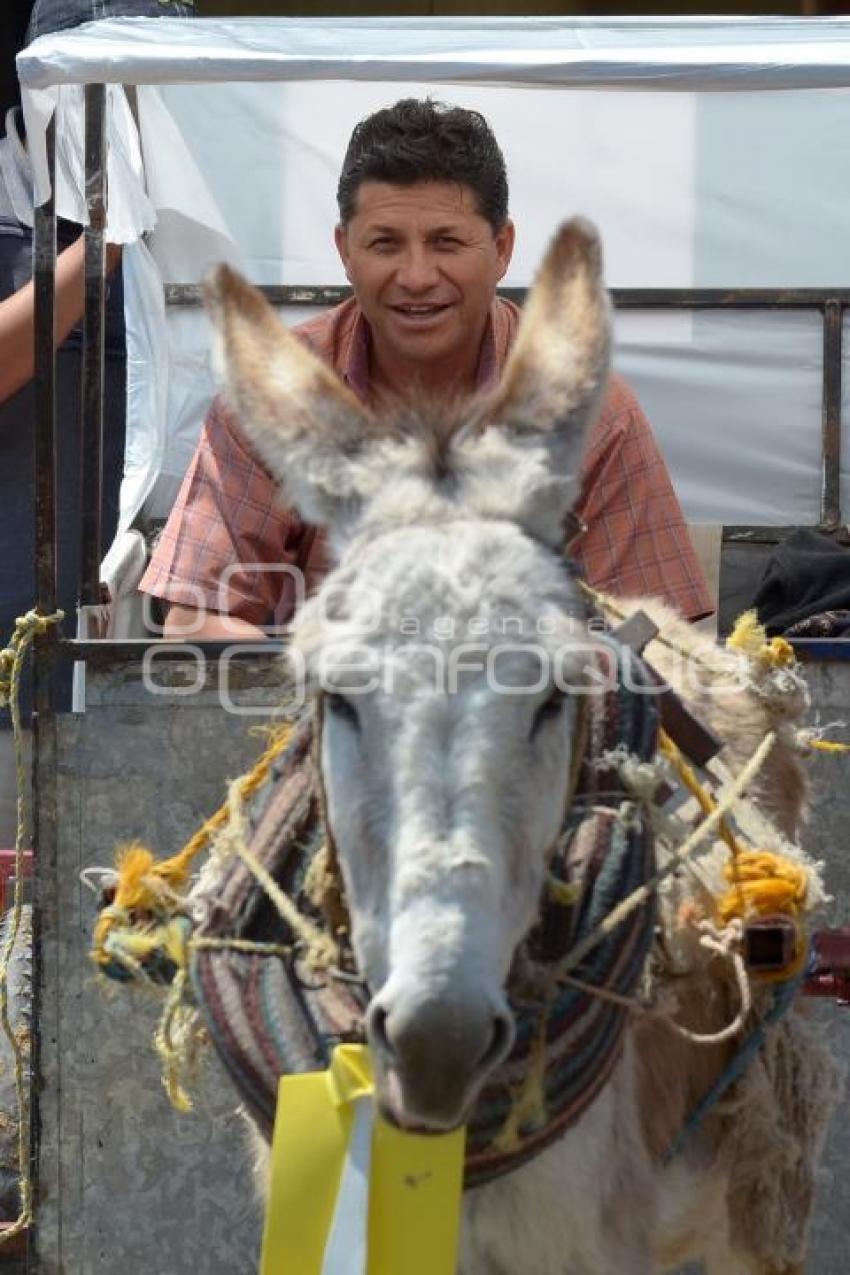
column 57, row 15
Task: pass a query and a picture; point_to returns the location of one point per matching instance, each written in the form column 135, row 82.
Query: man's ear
column 308, row 427
column 505, row 239
column 341, row 241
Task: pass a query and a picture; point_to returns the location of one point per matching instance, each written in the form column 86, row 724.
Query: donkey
column 445, row 800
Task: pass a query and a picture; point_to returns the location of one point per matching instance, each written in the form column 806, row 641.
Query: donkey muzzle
column 431, row 1056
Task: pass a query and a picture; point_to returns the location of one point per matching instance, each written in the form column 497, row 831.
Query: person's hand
column 17, row 341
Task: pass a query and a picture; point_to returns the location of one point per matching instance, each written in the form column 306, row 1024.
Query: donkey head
column 442, row 648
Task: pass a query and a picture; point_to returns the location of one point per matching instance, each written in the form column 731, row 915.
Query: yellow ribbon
column 402, row 1218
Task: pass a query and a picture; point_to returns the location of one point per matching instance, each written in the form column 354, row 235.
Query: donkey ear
column 308, row 428
column 555, row 377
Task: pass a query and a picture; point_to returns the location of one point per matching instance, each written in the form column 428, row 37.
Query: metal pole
column 44, row 284
column 44, row 720
column 833, row 317
column 44, row 273
column 93, row 345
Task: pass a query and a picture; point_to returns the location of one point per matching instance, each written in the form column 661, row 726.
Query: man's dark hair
column 420, row 141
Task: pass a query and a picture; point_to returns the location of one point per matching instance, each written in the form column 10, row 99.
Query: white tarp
column 672, row 53
column 690, row 189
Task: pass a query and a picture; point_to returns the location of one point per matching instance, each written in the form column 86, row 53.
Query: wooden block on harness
column 635, row 632
column 770, row 942
column 695, row 740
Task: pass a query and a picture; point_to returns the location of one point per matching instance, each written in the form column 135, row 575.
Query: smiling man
column 424, row 263
column 424, row 236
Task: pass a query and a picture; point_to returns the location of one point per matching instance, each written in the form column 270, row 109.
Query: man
column 425, row 237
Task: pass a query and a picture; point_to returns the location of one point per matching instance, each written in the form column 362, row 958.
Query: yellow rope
column 762, row 883
column 704, row 798
column 27, row 628
column 825, row 745
column 148, row 886
column 767, row 883
column 529, row 1104
column 688, row 777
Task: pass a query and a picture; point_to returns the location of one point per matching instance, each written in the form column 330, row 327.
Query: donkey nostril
column 378, row 1031
column 500, row 1041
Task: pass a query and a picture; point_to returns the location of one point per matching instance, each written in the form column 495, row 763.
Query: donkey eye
column 342, row 708
column 548, row 710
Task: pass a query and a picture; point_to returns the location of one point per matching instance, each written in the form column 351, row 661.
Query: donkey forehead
column 487, row 577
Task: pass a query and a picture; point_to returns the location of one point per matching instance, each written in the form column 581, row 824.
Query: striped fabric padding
column 268, row 1016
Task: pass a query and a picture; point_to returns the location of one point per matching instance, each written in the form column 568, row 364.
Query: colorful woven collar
column 269, row 1016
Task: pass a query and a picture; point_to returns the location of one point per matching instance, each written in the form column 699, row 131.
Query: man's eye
column 548, row 711
column 447, row 241
column 383, row 244
column 342, row 709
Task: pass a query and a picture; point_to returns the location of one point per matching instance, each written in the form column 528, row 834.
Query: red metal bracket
column 8, row 862
column 828, row 974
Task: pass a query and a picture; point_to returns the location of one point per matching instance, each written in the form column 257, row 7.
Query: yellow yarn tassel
column 766, row 884
column 149, row 890
column 763, row 883
column 750, row 638
column 145, row 888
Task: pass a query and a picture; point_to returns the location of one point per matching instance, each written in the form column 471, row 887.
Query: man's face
column 424, row 265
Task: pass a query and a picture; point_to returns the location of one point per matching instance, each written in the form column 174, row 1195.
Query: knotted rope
column 12, row 657
column 151, row 891
column 700, row 834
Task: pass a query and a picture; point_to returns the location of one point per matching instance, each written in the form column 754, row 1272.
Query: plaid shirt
column 230, row 545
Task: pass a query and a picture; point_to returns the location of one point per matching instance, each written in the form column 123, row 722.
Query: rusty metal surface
column 306, row 294
column 126, row 1183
